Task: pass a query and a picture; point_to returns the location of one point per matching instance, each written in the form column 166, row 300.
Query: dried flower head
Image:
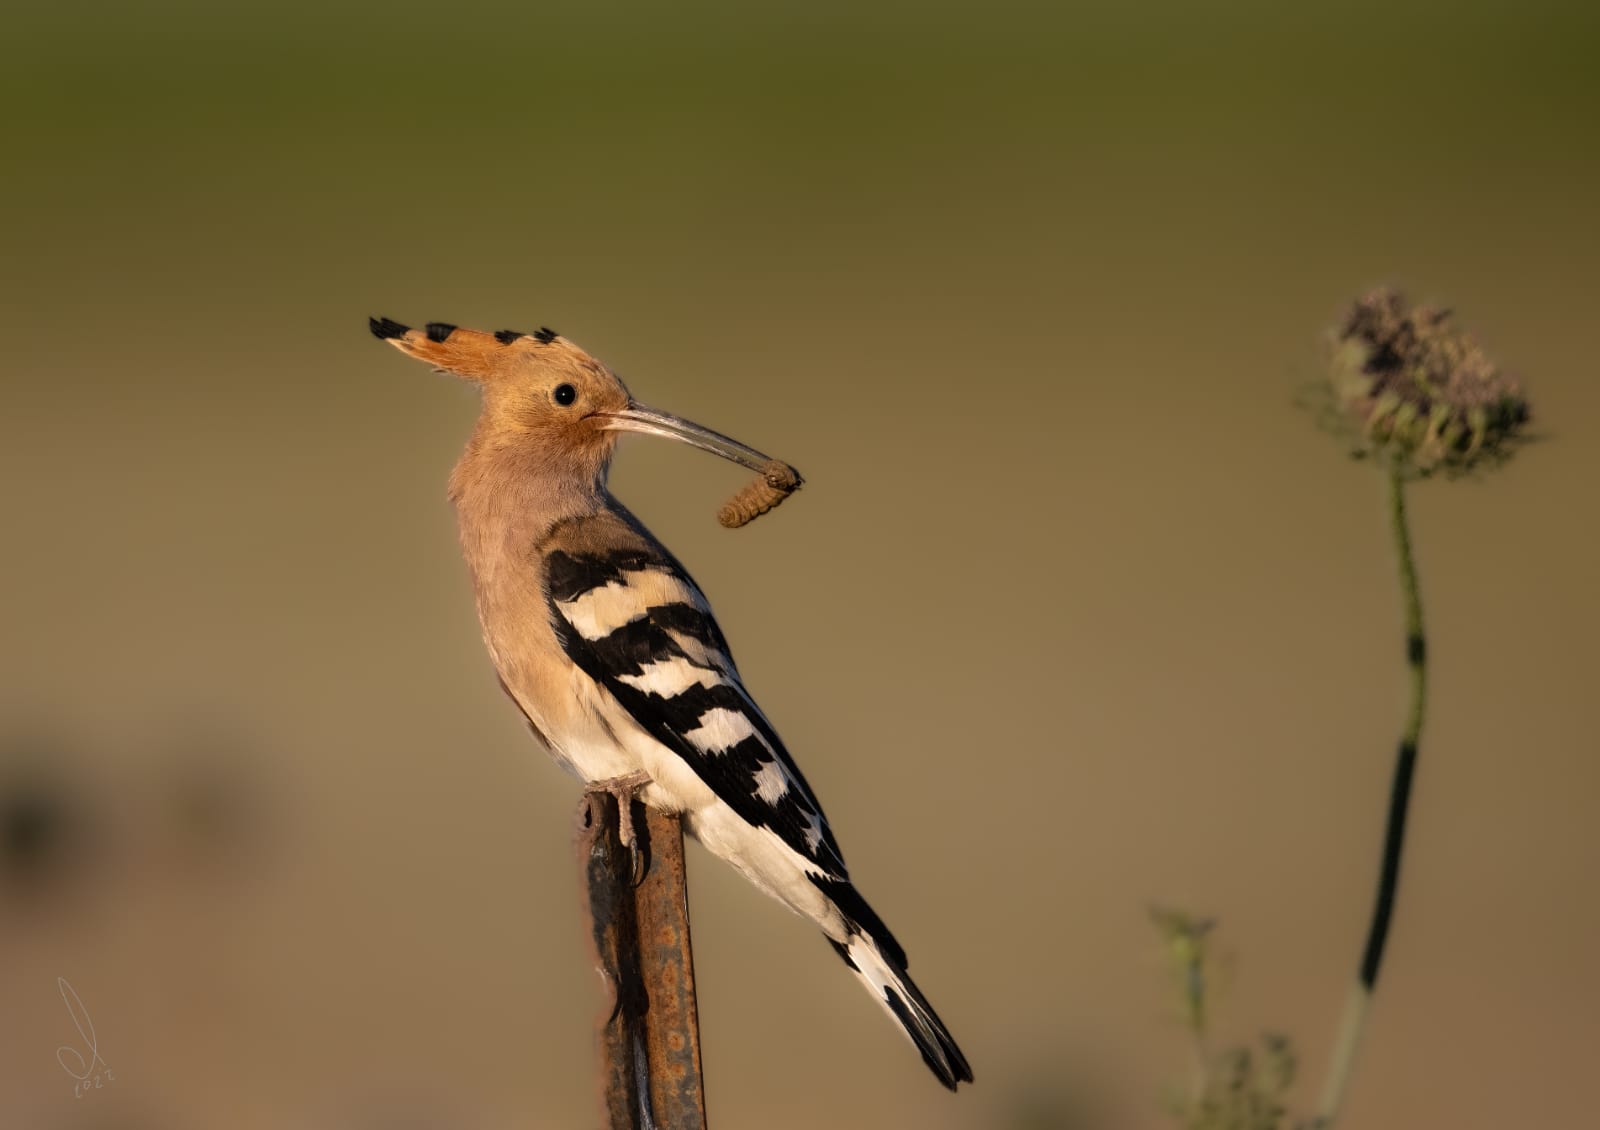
column 1419, row 392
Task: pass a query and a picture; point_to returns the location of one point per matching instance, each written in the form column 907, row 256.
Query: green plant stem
column 1411, row 593
column 1194, row 989
column 1354, row 1022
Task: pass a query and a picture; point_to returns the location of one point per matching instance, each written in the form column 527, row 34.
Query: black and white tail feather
column 881, row 967
column 630, row 618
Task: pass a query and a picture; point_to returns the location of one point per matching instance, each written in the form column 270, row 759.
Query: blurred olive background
column 1076, row 614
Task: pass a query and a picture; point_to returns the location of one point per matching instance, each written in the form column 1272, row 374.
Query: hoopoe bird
column 611, row 651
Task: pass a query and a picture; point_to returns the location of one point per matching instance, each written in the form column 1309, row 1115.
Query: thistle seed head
column 1418, row 392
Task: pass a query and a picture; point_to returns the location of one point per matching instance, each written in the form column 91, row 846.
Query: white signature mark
column 91, row 1073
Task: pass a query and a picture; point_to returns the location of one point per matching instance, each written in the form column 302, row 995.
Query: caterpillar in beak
column 777, row 482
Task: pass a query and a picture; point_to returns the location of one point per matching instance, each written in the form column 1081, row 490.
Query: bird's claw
column 624, row 789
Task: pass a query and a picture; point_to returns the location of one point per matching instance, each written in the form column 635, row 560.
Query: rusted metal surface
column 649, row 1033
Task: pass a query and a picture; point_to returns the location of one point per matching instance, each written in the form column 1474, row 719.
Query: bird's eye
column 565, row 395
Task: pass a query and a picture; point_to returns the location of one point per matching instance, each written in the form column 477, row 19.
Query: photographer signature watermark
column 86, row 1065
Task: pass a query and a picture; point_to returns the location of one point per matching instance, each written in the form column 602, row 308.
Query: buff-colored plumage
column 611, row 651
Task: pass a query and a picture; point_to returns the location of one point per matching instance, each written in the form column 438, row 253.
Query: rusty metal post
column 649, row 1035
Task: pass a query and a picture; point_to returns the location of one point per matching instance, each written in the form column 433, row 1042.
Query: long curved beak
column 637, row 418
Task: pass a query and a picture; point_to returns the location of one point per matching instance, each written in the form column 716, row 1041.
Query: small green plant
column 1242, row 1087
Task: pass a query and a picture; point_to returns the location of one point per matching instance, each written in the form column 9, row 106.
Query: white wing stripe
column 700, row 654
column 598, row 612
column 720, row 729
column 813, row 831
column 668, row 678
column 772, row 783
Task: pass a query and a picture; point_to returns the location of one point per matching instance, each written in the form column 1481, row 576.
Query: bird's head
column 545, row 397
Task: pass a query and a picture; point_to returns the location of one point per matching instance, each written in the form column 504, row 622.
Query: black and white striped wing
column 635, row 622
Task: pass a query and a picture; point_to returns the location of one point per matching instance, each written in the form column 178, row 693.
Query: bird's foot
column 624, row 789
